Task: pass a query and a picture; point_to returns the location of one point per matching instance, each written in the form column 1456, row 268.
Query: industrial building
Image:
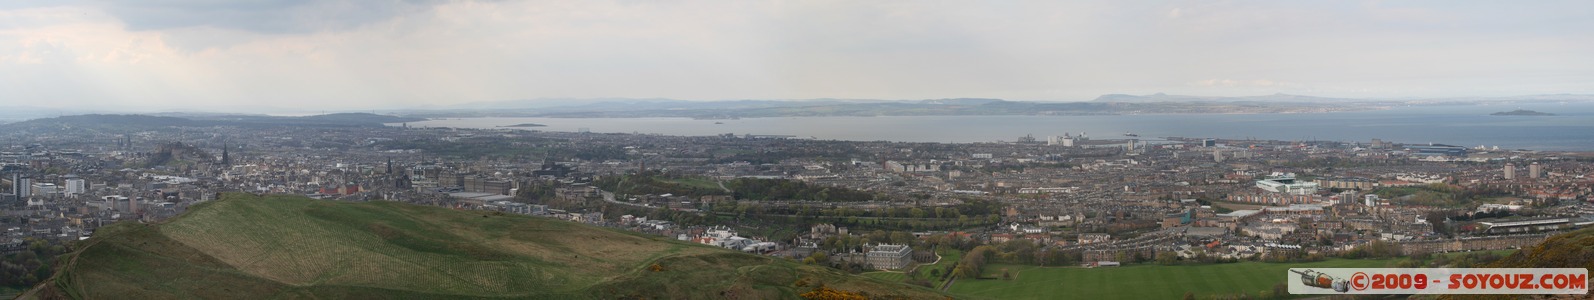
column 1438, row 150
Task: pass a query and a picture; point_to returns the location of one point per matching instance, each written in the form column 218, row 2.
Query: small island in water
column 525, row 125
column 1521, row 112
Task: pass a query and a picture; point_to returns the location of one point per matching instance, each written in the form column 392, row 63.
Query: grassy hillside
column 1140, row 281
column 245, row 246
column 1568, row 250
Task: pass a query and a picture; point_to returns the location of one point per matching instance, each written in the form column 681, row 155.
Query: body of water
column 1464, row 125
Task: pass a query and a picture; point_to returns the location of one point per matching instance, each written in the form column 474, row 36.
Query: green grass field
column 887, row 276
column 949, row 258
column 249, row 247
column 1139, row 281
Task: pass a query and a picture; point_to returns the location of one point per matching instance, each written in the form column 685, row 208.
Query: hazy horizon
column 25, row 111
column 345, row 55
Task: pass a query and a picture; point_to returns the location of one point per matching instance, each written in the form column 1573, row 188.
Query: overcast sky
column 373, row 54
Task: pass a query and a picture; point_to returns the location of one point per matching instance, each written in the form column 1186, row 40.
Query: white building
column 1066, row 140
column 44, row 188
column 1287, row 184
column 75, row 186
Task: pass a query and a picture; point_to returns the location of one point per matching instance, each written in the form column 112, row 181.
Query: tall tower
column 16, row 185
column 1510, row 171
column 23, row 187
column 226, row 160
column 1535, row 171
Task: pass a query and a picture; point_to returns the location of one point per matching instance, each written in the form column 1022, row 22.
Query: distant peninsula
column 526, row 125
column 1521, row 112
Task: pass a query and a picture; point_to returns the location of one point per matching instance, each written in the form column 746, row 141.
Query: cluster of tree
column 782, row 189
column 973, row 261
column 1017, row 251
column 536, row 192
column 1441, row 194
column 818, row 257
column 33, row 264
column 649, row 182
column 684, row 218
column 823, row 258
column 1437, row 194
column 839, row 243
column 971, row 213
column 867, row 222
column 1482, row 215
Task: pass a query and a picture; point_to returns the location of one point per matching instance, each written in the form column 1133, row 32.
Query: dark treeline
column 970, row 213
column 31, row 265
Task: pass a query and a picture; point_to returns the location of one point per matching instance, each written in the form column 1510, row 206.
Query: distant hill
column 115, row 120
column 1160, row 97
column 1104, row 105
column 97, row 123
column 103, row 122
column 337, row 119
column 253, row 247
column 1522, row 112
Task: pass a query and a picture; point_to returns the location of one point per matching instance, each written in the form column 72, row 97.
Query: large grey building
column 888, row 256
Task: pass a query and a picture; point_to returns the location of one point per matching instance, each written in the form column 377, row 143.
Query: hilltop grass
column 246, row 246
column 887, row 276
column 1140, row 281
column 949, row 259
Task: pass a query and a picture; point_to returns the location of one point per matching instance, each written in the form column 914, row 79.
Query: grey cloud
column 17, row 4
column 261, row 16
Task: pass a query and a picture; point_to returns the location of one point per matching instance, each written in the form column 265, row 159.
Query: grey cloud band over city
column 241, row 55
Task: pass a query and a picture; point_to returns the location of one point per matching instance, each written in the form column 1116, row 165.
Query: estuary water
column 1572, row 129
